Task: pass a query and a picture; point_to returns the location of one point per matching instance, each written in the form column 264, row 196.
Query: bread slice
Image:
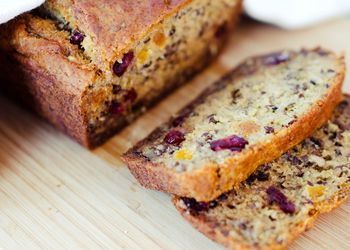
column 252, row 116
column 283, row 198
column 90, row 67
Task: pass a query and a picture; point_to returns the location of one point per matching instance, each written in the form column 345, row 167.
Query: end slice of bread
column 281, row 199
column 253, row 115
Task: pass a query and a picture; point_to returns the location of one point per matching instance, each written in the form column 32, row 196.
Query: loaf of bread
column 89, row 67
column 253, row 115
column 283, row 198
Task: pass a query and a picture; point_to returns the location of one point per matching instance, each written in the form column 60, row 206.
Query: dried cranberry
column 195, row 206
column 276, row 58
column 76, row 38
column 233, row 143
column 243, row 226
column 120, row 68
column 130, row 95
column 276, row 196
column 174, row 137
column 269, row 130
column 116, row 108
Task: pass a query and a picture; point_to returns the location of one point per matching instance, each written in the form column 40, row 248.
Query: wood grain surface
column 55, row 194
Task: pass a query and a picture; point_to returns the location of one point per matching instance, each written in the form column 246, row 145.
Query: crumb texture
column 280, row 199
column 273, row 97
column 252, row 116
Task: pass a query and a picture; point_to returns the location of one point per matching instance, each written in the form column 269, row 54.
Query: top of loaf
column 108, row 38
column 40, row 41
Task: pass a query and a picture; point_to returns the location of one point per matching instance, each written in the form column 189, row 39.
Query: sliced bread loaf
column 281, row 199
column 252, row 116
column 90, row 67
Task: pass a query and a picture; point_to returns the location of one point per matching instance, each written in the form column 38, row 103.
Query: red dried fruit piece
column 276, row 196
column 77, row 37
column 233, row 143
column 120, row 68
column 174, row 137
column 276, row 58
column 130, row 95
column 116, row 108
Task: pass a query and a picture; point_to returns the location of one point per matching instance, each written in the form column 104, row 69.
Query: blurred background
column 296, row 14
column 288, row 14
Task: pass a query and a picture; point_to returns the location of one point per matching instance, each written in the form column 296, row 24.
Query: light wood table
column 56, row 194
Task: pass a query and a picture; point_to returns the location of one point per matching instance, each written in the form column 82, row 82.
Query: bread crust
column 142, row 16
column 30, row 74
column 210, row 181
column 41, row 69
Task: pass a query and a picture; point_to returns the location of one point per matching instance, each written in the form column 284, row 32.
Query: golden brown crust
column 215, row 233
column 41, row 68
column 141, row 17
column 36, row 70
column 206, row 184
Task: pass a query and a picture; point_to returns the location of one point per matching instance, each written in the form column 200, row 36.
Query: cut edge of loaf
column 201, row 184
column 64, row 103
column 216, row 235
column 206, row 224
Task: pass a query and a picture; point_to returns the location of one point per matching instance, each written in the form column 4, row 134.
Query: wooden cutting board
column 56, row 194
